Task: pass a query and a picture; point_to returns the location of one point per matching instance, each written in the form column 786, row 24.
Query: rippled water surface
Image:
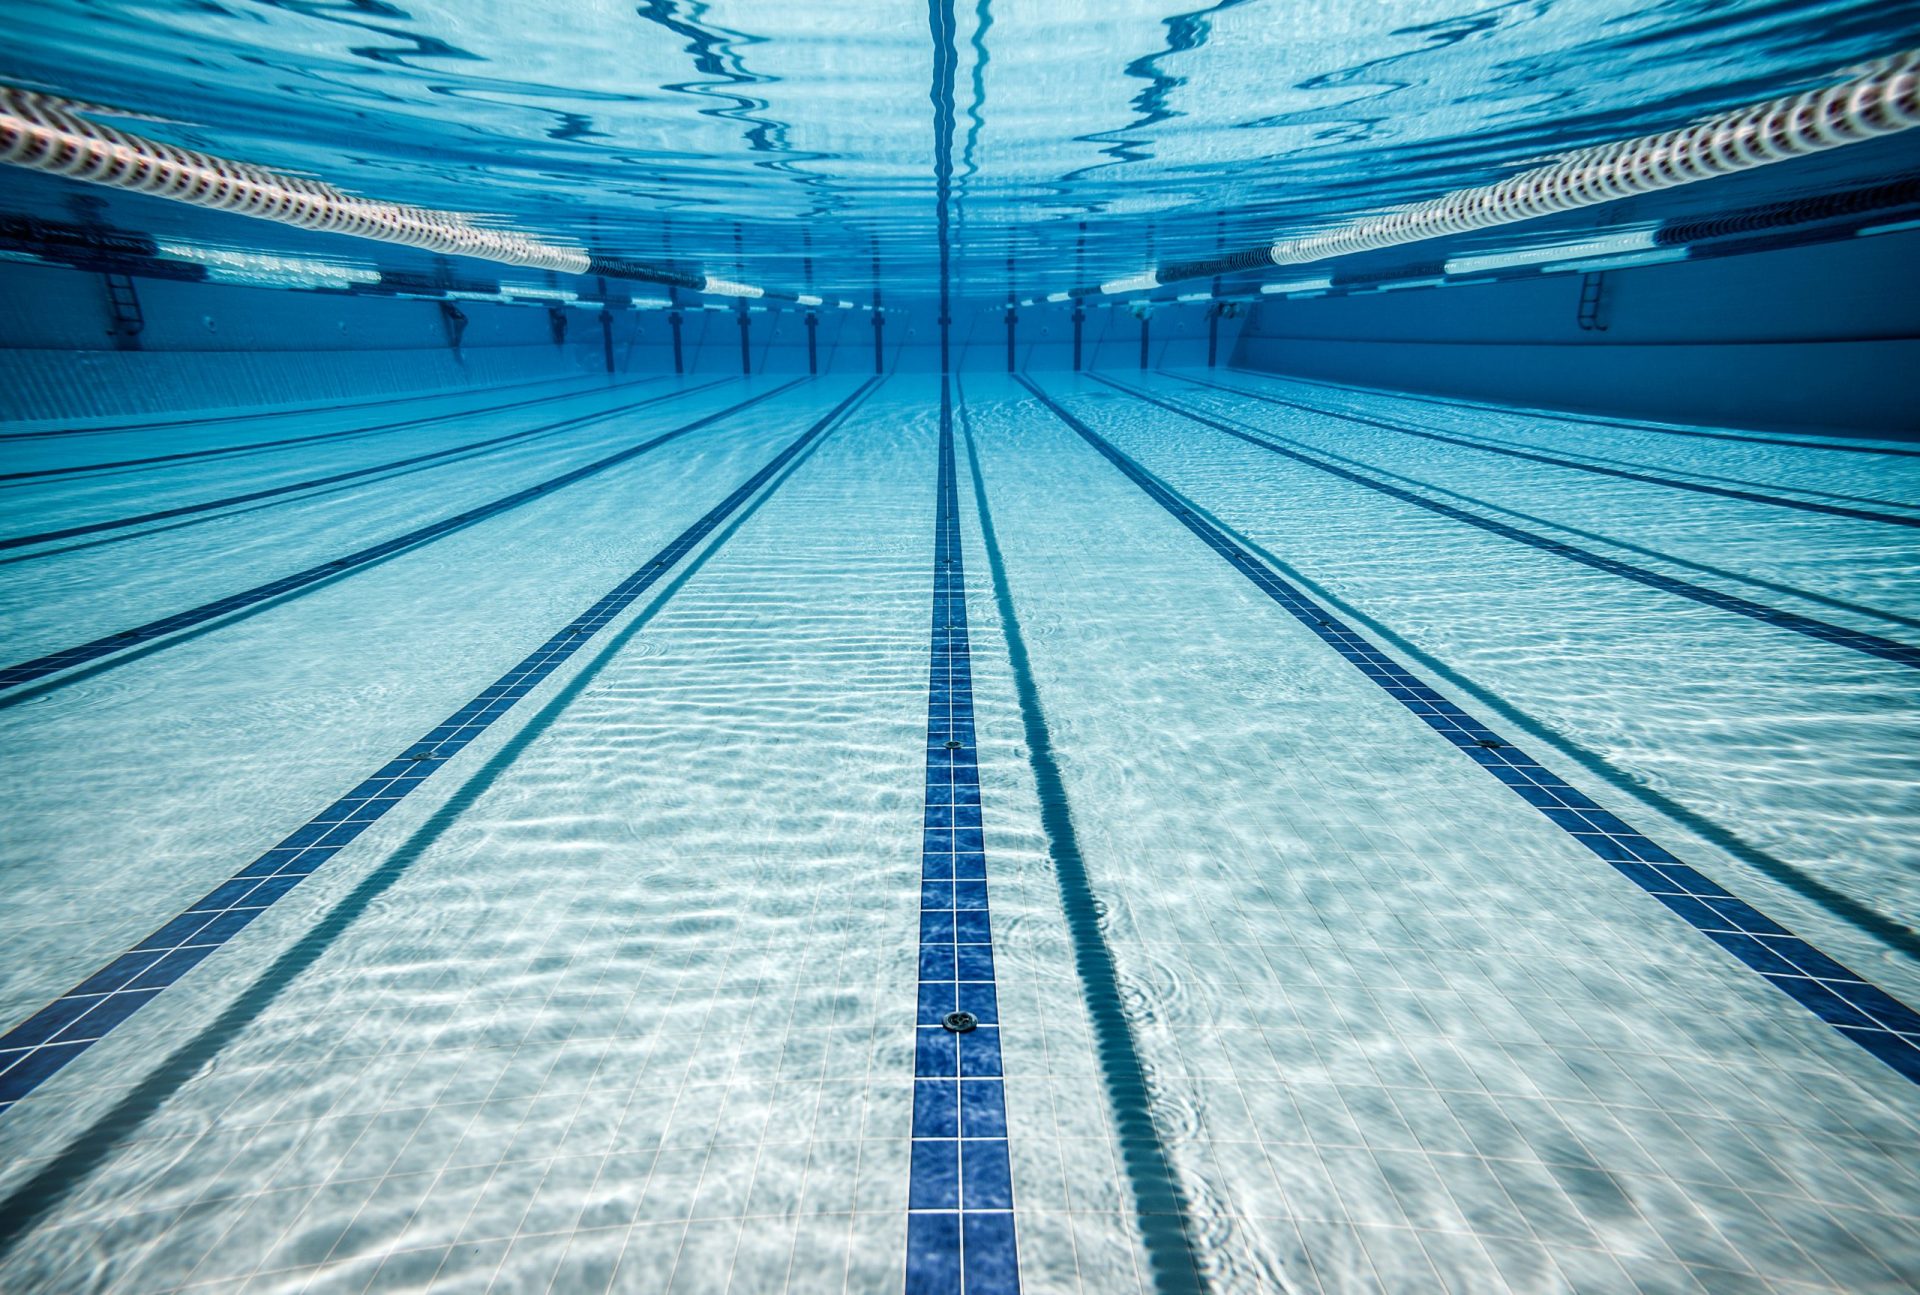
column 750, row 136
column 1290, row 991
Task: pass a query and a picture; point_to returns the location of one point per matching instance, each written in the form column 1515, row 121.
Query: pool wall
column 208, row 345
column 1822, row 337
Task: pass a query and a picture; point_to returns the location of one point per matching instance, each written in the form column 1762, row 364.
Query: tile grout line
column 1646, row 478
column 209, row 420
column 569, row 423
column 1609, row 542
column 39, row 475
column 37, row 1048
column 67, row 658
column 1824, row 631
column 1163, row 1210
column 1468, row 405
column 960, row 1228
column 1859, row 1010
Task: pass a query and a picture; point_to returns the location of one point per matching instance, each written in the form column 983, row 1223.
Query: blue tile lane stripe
column 1861, row 1011
column 1839, row 635
column 334, row 478
column 1460, row 406
column 348, row 433
column 1648, row 478
column 260, row 415
column 68, row 658
column 1162, row 1209
column 960, row 1233
column 33, row 1050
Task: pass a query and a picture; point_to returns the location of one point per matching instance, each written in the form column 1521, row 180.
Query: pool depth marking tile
column 1839, row 635
column 960, row 1232
column 1647, row 478
column 67, row 658
column 311, row 483
column 1863, row 1012
column 33, row 1051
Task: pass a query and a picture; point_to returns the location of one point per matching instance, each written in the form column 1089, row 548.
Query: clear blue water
column 744, row 137
column 503, row 838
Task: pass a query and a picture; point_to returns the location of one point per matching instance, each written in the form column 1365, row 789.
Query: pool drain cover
column 960, row 1022
column 952, row 745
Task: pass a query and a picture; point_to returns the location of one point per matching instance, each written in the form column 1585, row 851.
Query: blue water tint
column 502, row 793
column 721, row 134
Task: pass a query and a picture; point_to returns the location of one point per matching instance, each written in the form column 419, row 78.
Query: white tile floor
column 626, row 1001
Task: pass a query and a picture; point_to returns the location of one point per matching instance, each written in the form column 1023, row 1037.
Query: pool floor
column 531, row 839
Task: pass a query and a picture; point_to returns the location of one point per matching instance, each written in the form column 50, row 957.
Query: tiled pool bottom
column 1291, row 988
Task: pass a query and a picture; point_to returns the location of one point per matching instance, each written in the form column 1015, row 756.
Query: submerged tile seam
column 1516, row 411
column 1874, row 645
column 37, row 1048
column 343, row 434
column 960, row 1229
column 252, row 415
column 1859, row 1010
column 1647, row 478
column 351, row 474
column 1162, row 1211
column 68, row 658
column 1891, row 932
column 1611, row 542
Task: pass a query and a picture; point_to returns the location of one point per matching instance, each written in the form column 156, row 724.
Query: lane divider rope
column 1881, row 98
column 46, row 133
column 1875, row 99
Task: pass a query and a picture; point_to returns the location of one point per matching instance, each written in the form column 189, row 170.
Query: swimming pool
column 944, row 794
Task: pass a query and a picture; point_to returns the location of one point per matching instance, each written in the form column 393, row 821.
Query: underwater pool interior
column 981, row 646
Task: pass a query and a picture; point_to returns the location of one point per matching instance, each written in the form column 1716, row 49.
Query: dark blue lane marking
column 224, row 450
column 179, row 1057
column 209, row 420
column 1744, row 578
column 960, row 1233
column 32, row 1051
column 1863, row 1012
column 1493, row 444
column 67, row 658
column 1839, row 635
column 1520, row 412
column 312, row 483
column 1162, row 1212
column 1675, row 483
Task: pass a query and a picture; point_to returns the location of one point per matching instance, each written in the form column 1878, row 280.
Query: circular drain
column 952, row 745
column 1490, row 744
column 959, row 1022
